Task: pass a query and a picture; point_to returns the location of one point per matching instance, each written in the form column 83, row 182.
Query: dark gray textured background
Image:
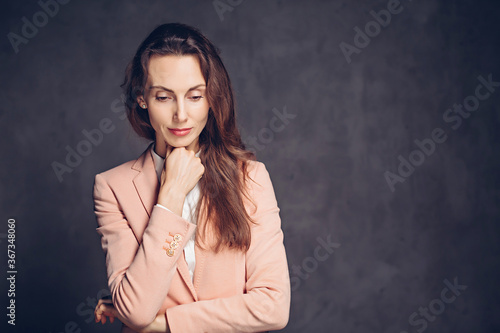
column 327, row 165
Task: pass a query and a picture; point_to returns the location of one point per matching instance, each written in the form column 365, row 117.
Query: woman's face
column 175, row 96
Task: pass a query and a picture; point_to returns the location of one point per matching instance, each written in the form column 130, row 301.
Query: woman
column 191, row 229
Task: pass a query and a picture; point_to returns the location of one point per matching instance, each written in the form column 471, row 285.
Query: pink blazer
column 232, row 291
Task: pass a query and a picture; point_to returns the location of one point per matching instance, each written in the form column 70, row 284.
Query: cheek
column 202, row 114
column 157, row 119
column 157, row 112
column 203, row 118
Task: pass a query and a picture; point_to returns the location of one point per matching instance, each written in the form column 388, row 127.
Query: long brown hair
column 223, row 153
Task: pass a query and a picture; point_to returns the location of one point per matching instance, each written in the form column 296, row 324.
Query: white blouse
column 188, row 210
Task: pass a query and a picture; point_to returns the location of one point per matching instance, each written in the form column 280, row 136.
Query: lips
column 180, row 131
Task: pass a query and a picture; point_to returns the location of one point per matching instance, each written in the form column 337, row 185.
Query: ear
column 142, row 102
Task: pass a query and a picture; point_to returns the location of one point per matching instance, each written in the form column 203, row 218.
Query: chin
column 181, row 142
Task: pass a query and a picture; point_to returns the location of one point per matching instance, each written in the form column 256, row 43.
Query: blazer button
column 170, row 251
column 177, row 237
column 174, row 245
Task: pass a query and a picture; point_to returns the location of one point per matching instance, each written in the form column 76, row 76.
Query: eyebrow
column 170, row 90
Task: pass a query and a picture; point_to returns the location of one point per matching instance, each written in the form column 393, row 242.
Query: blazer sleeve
column 139, row 275
column 266, row 304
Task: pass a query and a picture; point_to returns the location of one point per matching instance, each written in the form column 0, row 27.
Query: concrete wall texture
column 385, row 167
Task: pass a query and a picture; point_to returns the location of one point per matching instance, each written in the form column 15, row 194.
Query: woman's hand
column 181, row 172
column 105, row 308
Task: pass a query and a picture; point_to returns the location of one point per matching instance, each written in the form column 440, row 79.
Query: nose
column 180, row 113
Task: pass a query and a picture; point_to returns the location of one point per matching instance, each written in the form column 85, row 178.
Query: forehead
column 175, row 72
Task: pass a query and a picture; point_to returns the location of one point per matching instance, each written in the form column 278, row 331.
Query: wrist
column 174, row 190
column 156, row 326
column 160, row 324
column 171, row 199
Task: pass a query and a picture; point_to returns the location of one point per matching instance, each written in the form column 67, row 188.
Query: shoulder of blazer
column 127, row 170
column 256, row 170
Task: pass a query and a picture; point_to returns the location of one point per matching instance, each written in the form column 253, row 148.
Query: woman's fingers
column 108, row 311
column 182, row 168
column 169, row 150
column 104, row 309
column 97, row 311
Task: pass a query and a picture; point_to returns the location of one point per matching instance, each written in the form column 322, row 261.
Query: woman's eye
column 162, row 98
column 196, row 98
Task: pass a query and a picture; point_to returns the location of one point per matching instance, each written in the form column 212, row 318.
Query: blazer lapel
column 183, row 269
column 200, row 252
column 146, row 182
column 200, row 255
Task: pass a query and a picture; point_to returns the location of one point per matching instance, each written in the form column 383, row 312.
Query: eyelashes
column 166, row 98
